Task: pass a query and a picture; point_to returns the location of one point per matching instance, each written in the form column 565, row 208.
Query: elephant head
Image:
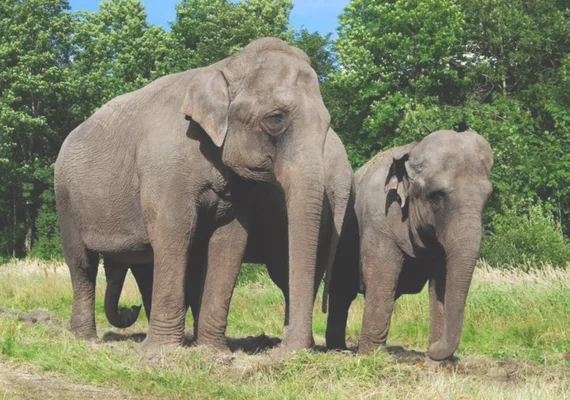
column 263, row 108
column 444, row 182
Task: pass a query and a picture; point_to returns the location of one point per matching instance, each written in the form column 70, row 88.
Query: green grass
column 515, row 340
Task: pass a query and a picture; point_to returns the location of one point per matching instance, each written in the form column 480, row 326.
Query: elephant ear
column 207, row 102
column 398, row 178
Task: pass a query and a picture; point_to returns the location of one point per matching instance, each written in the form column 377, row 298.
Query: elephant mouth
column 257, row 174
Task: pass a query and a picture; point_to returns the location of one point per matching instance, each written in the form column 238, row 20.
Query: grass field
column 515, row 344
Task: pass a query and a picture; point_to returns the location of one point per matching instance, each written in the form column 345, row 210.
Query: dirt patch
column 27, row 382
column 37, row 316
column 507, row 370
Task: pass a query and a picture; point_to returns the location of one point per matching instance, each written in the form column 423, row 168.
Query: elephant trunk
column 304, row 203
column 462, row 252
column 119, row 317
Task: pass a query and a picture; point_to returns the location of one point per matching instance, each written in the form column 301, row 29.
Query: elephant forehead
column 278, row 70
column 449, row 151
column 251, row 105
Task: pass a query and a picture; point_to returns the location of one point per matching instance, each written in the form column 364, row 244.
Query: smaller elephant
column 417, row 218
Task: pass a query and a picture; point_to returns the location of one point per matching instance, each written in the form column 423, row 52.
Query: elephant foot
column 440, row 351
column 279, row 352
column 289, row 347
column 89, row 334
column 336, row 342
column 336, row 346
column 368, row 346
column 220, row 345
column 151, row 345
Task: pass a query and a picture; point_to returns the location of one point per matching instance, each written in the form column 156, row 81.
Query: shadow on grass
column 123, row 337
column 419, row 357
column 401, row 352
column 253, row 344
column 249, row 345
column 261, row 343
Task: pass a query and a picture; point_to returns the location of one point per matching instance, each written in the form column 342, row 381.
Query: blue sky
column 315, row 15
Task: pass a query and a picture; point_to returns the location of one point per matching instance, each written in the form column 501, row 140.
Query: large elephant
column 417, row 218
column 267, row 241
column 142, row 183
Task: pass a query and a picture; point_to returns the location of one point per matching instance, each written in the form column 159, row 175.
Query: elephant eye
column 274, row 123
column 436, row 198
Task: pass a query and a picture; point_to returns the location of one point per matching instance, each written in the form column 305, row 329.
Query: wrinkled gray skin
column 417, row 219
column 267, row 240
column 141, row 184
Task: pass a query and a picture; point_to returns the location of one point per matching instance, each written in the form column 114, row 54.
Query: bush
column 521, row 240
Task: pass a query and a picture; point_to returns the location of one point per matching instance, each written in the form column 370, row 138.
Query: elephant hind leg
column 381, row 266
column 83, row 265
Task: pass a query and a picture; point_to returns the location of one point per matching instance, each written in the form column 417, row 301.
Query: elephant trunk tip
column 125, row 317
column 440, row 352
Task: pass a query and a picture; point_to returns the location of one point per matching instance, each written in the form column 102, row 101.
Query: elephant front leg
column 171, row 247
column 381, row 268
column 343, row 291
column 225, row 253
column 336, row 322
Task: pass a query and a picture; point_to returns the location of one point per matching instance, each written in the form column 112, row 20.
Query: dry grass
column 546, row 275
column 515, row 346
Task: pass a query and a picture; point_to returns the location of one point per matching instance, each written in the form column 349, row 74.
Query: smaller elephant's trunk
column 461, row 258
column 119, row 317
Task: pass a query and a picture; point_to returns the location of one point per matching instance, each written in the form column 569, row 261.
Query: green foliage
column 57, row 68
column 319, row 50
column 118, row 51
column 48, row 244
column 38, row 90
column 393, row 56
column 498, row 67
column 210, row 30
column 533, row 239
column 397, row 71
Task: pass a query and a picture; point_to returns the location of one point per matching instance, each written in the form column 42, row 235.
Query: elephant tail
column 119, row 317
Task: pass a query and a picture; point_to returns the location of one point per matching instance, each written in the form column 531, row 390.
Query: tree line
column 397, row 71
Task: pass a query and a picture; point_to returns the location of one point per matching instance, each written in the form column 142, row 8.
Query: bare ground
column 26, row 381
